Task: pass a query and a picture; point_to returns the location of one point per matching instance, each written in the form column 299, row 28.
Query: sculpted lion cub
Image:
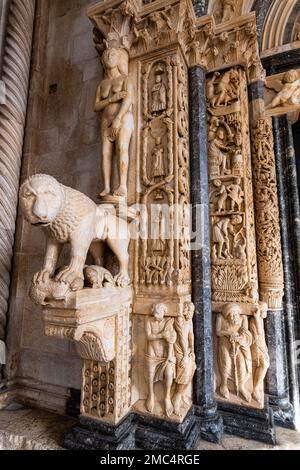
column 68, row 216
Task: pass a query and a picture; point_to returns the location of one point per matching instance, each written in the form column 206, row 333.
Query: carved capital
column 225, row 45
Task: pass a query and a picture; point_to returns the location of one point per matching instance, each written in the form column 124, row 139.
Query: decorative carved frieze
column 267, row 214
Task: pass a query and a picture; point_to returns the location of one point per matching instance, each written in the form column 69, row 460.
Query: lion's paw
column 122, row 280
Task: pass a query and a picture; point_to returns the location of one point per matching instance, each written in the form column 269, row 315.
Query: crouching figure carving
column 68, row 216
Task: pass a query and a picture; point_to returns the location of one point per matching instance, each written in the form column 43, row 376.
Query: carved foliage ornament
column 267, row 214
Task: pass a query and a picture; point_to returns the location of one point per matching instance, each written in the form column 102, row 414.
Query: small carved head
column 41, row 198
column 232, row 313
column 159, row 311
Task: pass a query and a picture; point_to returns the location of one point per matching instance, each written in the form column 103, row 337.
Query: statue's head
column 41, row 198
column 159, row 311
column 232, row 313
column 114, row 57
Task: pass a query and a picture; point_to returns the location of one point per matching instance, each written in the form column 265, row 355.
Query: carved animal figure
column 68, row 216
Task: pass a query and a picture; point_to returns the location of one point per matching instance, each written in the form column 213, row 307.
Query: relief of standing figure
column 114, row 98
column 160, row 356
column 185, row 356
column 234, row 353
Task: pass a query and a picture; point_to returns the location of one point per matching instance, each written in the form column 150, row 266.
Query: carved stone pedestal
column 157, row 434
column 89, row 434
column 248, row 423
column 98, row 321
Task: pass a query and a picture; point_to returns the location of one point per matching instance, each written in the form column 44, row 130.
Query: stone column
column 269, row 252
column 211, row 423
column 15, row 75
column 4, row 6
column 290, row 229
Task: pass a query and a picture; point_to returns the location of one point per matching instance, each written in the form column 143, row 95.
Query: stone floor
column 28, row 429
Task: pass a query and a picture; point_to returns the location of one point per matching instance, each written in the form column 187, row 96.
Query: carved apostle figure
column 158, row 159
column 160, row 357
column 234, row 353
column 259, row 349
column 115, row 98
column 158, row 92
column 185, row 357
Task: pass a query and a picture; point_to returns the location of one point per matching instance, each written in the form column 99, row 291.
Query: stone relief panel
column 241, row 354
column 233, row 252
column 170, row 361
column 241, row 357
column 163, row 253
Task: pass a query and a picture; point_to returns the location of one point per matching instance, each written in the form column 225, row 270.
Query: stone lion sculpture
column 68, row 216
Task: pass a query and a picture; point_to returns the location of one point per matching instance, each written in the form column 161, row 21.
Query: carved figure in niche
column 114, row 98
column 288, row 90
column 68, row 216
column 158, row 92
column 220, row 235
column 158, row 159
column 234, row 353
column 223, row 89
column 221, row 194
column 185, row 357
column 159, row 232
column 260, row 355
column 236, row 194
column 216, row 151
column 160, row 356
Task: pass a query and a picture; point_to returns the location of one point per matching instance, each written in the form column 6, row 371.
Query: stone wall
column 62, row 139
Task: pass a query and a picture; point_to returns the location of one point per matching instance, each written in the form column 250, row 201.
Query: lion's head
column 41, row 198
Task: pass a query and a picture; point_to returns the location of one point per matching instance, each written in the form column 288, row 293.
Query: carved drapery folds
column 267, row 214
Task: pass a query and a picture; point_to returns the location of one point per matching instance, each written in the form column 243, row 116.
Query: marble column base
column 156, row 434
column 248, row 423
column 283, row 411
column 211, row 424
column 89, row 434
